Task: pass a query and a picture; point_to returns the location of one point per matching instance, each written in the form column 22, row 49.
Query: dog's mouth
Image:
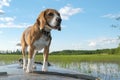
column 55, row 27
column 58, row 27
column 58, row 24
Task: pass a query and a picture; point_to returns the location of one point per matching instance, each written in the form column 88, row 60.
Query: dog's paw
column 34, row 66
column 44, row 69
column 24, row 67
column 29, row 71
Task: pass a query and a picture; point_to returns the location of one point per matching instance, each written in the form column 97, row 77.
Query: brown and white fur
column 38, row 37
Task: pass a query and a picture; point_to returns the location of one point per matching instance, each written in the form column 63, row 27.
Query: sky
column 86, row 24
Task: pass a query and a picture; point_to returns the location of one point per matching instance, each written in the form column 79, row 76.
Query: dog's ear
column 41, row 20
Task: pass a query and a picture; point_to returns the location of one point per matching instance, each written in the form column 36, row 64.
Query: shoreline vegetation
column 70, row 52
column 68, row 56
column 64, row 59
column 100, row 55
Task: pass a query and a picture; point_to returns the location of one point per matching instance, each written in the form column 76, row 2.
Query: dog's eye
column 58, row 14
column 50, row 14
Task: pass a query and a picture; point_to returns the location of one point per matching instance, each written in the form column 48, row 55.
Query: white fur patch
column 24, row 63
column 41, row 43
column 33, row 64
column 53, row 21
column 45, row 66
column 29, row 66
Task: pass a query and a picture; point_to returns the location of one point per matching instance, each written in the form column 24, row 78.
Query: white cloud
column 9, row 22
column 92, row 44
column 75, row 46
column 12, row 44
column 68, row 11
column 13, row 25
column 103, row 42
column 1, row 12
column 7, row 19
column 4, row 3
column 111, row 16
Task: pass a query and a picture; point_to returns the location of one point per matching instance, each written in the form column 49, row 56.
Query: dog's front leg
column 30, row 60
column 33, row 64
column 45, row 59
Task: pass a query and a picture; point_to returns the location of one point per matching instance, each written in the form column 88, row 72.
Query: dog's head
column 51, row 18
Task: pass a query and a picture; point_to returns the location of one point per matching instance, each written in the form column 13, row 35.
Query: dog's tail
column 18, row 44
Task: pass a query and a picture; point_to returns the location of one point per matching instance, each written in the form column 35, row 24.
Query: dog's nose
column 58, row 19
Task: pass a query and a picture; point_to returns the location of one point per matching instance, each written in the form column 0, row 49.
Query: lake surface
column 105, row 71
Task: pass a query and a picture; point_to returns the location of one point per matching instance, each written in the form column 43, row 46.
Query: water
column 105, row 71
column 7, row 62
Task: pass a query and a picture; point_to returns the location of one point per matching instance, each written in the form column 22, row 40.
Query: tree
column 118, row 27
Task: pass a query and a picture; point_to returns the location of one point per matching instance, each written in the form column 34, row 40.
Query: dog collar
column 46, row 33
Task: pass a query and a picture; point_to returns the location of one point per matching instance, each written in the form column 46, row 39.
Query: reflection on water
column 105, row 71
column 7, row 62
column 2, row 63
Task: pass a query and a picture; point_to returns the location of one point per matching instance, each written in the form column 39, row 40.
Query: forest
column 71, row 52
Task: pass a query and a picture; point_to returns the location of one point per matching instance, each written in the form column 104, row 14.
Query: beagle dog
column 38, row 37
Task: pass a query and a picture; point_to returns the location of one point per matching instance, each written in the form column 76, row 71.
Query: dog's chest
column 41, row 42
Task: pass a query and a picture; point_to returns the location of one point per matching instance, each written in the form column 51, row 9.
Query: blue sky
column 86, row 24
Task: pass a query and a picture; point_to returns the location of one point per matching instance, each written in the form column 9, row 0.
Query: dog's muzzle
column 58, row 26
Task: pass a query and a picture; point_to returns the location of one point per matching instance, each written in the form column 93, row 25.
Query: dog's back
column 24, row 37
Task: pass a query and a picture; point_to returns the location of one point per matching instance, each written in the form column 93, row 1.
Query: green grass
column 67, row 58
column 88, row 58
column 8, row 59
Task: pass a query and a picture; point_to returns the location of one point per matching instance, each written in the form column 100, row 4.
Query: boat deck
column 15, row 72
